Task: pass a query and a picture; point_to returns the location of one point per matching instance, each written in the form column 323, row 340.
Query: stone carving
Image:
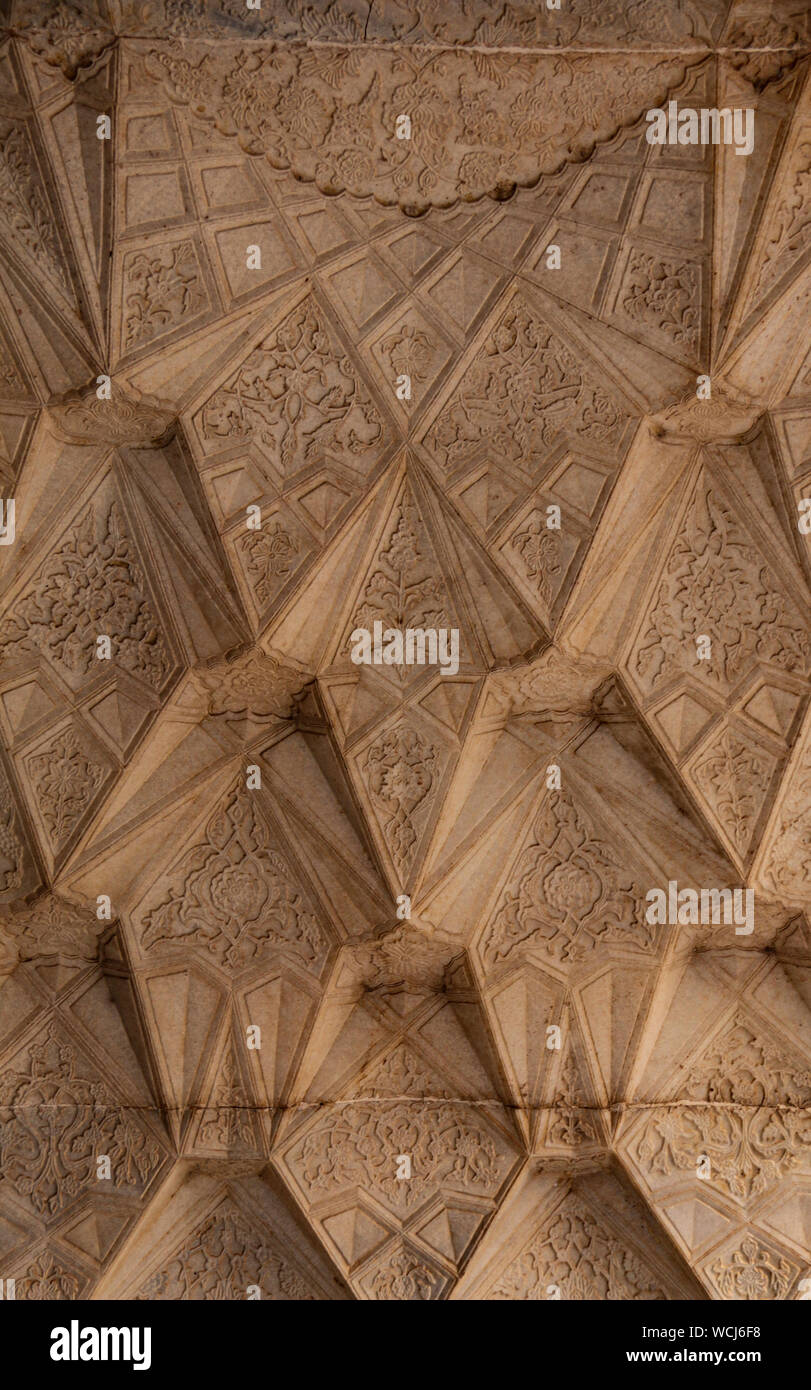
column 404, row 1277
column 65, row 35
column 26, row 217
column 401, row 769
column 524, row 388
column 52, row 926
column 788, row 866
column 641, row 24
column 745, row 1105
column 128, row 417
column 752, row 1272
column 163, row 290
column 233, row 895
column 766, row 45
column 270, row 557
column 404, row 960
column 298, row 398
column 65, row 780
column 227, row 1122
column 91, row 585
column 567, row 893
column 331, row 117
column 570, row 1125
column 54, row 1122
column 574, row 1253
column 12, row 385
column 540, row 551
column 665, row 295
column 723, row 419
column 404, row 588
column 553, row 684
column 384, row 257
column 48, row 1280
column 408, row 352
column 255, row 686
column 12, row 849
column 734, row 778
column 9, row 957
column 791, row 223
column 223, row 1258
column 715, row 584
column 400, row 1112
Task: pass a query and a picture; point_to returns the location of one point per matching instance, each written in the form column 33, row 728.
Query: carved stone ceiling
column 212, row 1086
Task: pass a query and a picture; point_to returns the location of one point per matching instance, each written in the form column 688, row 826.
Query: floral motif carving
column 575, row 1254
column 48, row 1280
column 716, row 584
column 404, row 589
column 233, row 895
column 399, row 1112
column 80, row 417
column 666, row 294
column 53, row 926
column 222, row 1259
column 255, row 687
column 430, row 513
column 568, row 892
column 65, row 35
column 752, row 1273
column 298, row 398
column 270, row 556
column 404, row 960
column 570, row 1125
column 92, row 584
column 788, row 866
column 409, row 352
column 791, row 224
column 54, row 1122
column 524, row 389
column 643, row 24
column 734, row 778
column 401, row 769
column 405, row 1278
column 12, row 386
column 12, row 849
column 540, row 551
column 330, row 117
column 632, row 22
column 227, row 1121
column 65, row 780
column 401, row 1073
column 553, row 682
column 744, row 1105
column 163, row 288
column 723, row 419
column 26, row 216
column 763, row 46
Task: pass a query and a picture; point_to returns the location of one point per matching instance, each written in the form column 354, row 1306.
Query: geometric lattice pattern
column 333, row 979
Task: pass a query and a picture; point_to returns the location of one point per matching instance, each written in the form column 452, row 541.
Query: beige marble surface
column 218, row 1039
